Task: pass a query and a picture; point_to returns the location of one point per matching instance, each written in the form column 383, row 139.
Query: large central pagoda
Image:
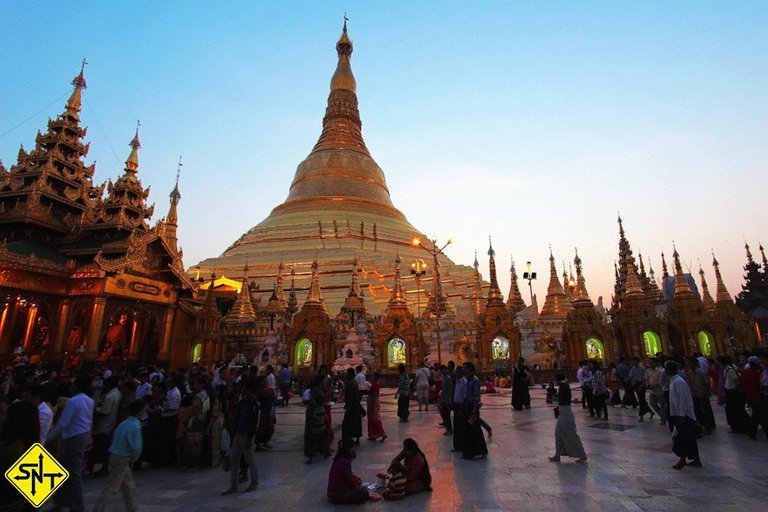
column 339, row 211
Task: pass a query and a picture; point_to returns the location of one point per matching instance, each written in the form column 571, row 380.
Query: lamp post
column 434, row 250
column 530, row 276
column 418, row 269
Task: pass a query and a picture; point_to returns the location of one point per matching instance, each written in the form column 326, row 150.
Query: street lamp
column 434, row 250
column 418, row 269
column 530, row 276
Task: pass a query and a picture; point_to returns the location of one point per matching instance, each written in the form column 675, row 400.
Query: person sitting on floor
column 416, row 467
column 396, row 482
column 344, row 487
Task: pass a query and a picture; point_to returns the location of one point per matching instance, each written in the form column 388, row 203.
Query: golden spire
column 132, row 164
column 749, row 253
column 314, row 297
column 355, row 286
column 210, row 297
column 634, row 288
column 682, row 287
column 665, row 272
column 722, row 295
column 173, row 218
column 494, row 293
column 556, row 303
column 242, row 310
column 642, row 265
column 343, row 77
column 515, row 299
column 762, row 254
column 706, row 298
column 74, row 103
column 398, row 295
column 580, row 293
column 656, row 294
column 477, row 288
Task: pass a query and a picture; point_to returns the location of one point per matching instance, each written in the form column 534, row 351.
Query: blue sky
column 537, row 120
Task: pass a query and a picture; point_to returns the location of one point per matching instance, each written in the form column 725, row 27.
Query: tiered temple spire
column 580, row 292
column 494, row 293
column 477, row 288
column 682, row 287
column 515, row 299
column 556, row 303
column 397, row 297
column 706, row 297
column 314, row 297
column 721, row 295
column 242, row 311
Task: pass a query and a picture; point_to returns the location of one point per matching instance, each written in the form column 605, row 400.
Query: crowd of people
column 109, row 422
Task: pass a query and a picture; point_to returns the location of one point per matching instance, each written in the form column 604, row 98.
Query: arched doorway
column 197, row 352
column 706, row 342
column 303, row 353
column 395, row 352
column 652, row 343
column 595, row 350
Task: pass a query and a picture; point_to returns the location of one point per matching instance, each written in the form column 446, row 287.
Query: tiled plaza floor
column 629, row 468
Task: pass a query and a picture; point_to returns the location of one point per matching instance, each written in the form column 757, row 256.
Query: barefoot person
column 375, row 426
column 683, row 418
column 417, row 475
column 123, row 452
column 567, row 441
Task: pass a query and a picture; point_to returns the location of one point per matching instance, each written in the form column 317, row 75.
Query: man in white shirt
column 362, row 384
column 270, row 378
column 35, row 395
column 144, row 388
column 74, row 427
column 683, row 417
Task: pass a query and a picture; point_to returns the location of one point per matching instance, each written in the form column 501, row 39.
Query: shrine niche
column 37, row 329
column 706, row 343
column 114, row 344
column 595, row 350
column 395, row 352
column 77, row 335
column 304, row 353
column 500, row 348
column 652, row 343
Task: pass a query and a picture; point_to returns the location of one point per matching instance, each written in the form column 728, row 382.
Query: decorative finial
column 491, row 252
column 749, row 253
column 178, row 171
column 476, row 264
column 135, row 142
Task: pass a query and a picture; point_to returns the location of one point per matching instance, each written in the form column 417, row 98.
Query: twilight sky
column 532, row 122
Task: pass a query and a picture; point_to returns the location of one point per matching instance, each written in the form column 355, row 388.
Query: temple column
column 31, row 317
column 94, row 330
column 165, row 347
column 61, row 326
column 7, row 321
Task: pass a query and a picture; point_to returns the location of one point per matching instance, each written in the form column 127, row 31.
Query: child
column 551, row 393
column 395, row 482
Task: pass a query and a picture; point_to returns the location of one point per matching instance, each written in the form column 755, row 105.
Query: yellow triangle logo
column 37, row 475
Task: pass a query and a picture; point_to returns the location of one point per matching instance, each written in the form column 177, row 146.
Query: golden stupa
column 339, row 212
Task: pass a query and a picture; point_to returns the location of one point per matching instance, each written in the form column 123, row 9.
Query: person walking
column 599, row 392
column 521, row 379
column 352, row 424
column 700, row 392
column 446, row 398
column 125, row 449
column 459, row 419
column 285, row 378
column 683, row 419
column 403, row 393
column 655, row 394
column 422, row 385
column 245, row 422
column 474, row 441
column 637, row 381
column 567, row 440
column 375, row 425
column 74, row 428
